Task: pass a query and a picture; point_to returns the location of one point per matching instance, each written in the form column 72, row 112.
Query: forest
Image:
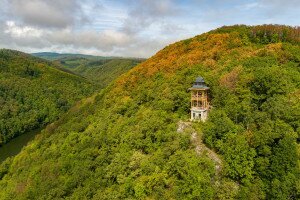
column 123, row 143
column 34, row 92
column 98, row 69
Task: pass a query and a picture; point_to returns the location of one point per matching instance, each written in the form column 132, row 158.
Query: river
column 14, row 147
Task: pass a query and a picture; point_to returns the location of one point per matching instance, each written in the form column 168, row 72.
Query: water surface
column 14, row 147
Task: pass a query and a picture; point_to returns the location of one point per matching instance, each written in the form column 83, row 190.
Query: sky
column 128, row 28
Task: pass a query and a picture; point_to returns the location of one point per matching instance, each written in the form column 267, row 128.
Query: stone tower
column 199, row 100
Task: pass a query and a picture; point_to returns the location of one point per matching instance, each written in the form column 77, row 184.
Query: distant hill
column 100, row 70
column 34, row 92
column 126, row 141
column 57, row 56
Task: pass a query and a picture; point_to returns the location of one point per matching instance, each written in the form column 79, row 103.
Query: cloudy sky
column 135, row 28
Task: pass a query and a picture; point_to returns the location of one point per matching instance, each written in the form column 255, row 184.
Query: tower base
column 199, row 115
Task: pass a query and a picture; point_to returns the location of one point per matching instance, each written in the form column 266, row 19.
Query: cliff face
column 122, row 143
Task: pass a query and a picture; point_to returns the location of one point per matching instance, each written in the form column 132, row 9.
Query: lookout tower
column 199, row 100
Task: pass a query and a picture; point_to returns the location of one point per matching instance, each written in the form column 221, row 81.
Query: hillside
column 123, row 143
column 100, row 70
column 34, row 92
column 104, row 71
column 57, row 56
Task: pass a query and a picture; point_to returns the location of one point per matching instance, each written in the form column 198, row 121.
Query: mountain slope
column 100, row 70
column 123, row 143
column 57, row 56
column 34, row 92
column 103, row 72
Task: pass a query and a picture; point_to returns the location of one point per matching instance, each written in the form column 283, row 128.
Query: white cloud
column 127, row 27
column 59, row 25
column 104, row 41
column 22, row 32
column 107, row 42
column 47, row 13
column 143, row 13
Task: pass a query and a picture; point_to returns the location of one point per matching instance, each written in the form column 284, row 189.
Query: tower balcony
column 199, row 108
column 198, row 97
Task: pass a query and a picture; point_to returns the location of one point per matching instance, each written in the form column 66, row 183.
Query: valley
column 131, row 139
column 98, row 69
column 27, row 105
column 15, row 146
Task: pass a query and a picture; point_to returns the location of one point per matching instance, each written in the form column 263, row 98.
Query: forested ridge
column 34, row 92
column 98, row 69
column 53, row 56
column 122, row 143
column 100, row 72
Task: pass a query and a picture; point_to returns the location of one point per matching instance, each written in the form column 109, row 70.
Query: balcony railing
column 200, row 107
column 199, row 96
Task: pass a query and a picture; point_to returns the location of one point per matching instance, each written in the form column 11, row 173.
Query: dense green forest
column 34, row 92
column 123, row 143
column 100, row 70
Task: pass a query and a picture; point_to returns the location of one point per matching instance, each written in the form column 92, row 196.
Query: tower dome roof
column 199, row 80
column 199, row 84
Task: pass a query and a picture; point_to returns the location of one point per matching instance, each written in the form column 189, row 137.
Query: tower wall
column 199, row 104
column 199, row 115
column 199, row 100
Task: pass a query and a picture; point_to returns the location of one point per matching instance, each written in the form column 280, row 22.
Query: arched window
column 195, row 103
